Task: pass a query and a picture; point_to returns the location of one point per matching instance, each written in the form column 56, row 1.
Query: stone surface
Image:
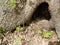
column 12, row 17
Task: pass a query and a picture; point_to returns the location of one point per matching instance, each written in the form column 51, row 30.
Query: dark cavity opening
column 42, row 12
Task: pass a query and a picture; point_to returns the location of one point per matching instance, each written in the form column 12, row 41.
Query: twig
column 4, row 37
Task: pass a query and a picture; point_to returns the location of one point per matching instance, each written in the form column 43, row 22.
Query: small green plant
column 19, row 39
column 1, row 30
column 39, row 31
column 47, row 34
column 12, row 3
column 19, row 28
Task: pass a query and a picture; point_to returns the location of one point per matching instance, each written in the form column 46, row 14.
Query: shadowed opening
column 42, row 12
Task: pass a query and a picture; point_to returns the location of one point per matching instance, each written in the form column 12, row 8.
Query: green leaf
column 12, row 3
column 16, row 42
column 19, row 28
column 19, row 39
column 47, row 34
column 39, row 31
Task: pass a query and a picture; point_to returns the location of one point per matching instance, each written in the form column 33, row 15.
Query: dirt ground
column 29, row 36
